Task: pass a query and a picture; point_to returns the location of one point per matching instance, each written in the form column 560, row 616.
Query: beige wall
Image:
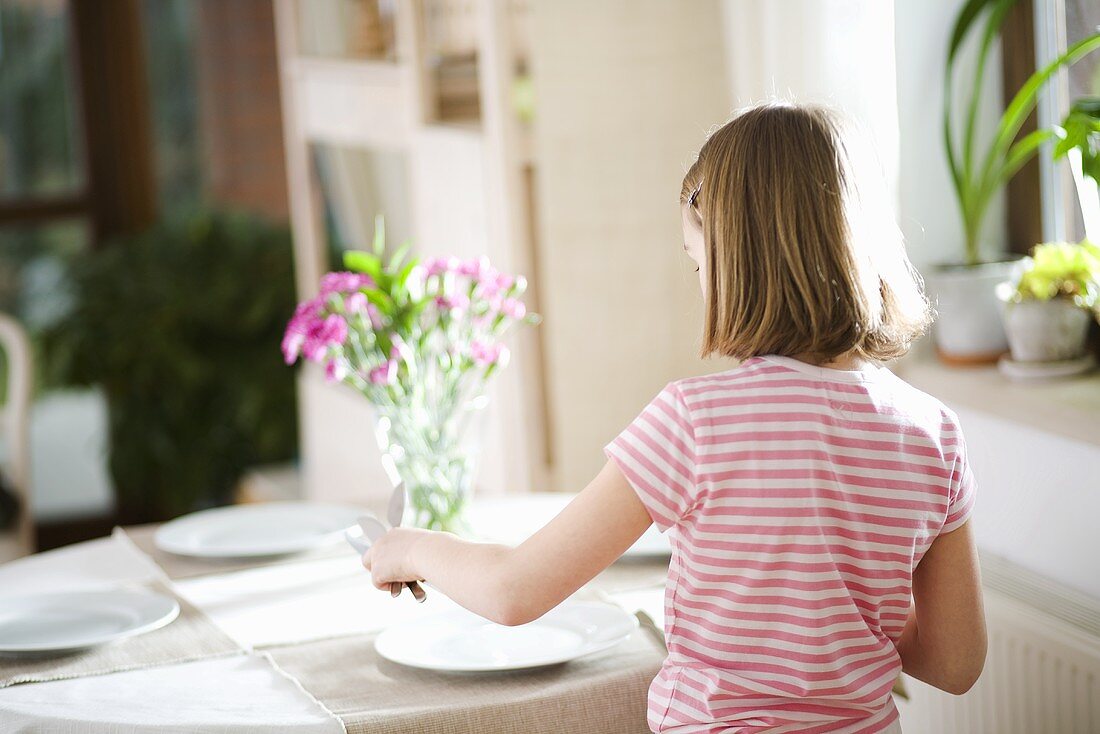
column 626, row 91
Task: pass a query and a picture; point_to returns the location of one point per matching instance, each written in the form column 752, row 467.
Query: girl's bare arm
column 944, row 641
column 513, row 586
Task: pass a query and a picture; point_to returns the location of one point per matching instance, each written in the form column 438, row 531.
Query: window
column 1059, row 23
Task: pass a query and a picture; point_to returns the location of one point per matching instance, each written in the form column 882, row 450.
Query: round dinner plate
column 70, row 621
column 460, row 641
column 248, row 531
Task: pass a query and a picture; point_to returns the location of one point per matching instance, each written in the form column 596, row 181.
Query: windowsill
column 1068, row 408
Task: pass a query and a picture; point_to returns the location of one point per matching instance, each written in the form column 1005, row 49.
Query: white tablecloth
column 240, row 694
column 243, row 694
column 303, row 601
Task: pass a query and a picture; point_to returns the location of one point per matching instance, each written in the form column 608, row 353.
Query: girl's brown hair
column 803, row 256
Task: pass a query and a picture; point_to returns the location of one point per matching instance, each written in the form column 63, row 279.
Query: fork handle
column 417, row 590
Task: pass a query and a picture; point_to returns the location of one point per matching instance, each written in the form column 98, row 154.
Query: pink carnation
column 513, row 308
column 385, row 373
column 492, row 283
column 344, row 282
column 474, row 267
column 355, row 303
column 335, row 370
column 306, row 316
column 457, row 300
column 486, row 353
column 320, row 335
column 441, row 265
column 503, row 281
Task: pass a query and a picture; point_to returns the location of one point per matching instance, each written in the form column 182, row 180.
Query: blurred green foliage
column 1081, row 130
column 180, row 326
column 1061, row 270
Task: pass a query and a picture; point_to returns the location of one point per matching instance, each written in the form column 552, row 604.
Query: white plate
column 461, row 641
column 70, row 621
column 248, row 531
column 514, row 519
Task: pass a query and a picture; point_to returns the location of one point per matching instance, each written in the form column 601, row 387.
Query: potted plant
column 969, row 328
column 1048, row 305
column 420, row 341
column 175, row 325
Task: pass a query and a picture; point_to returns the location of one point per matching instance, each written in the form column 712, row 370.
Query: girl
column 817, row 505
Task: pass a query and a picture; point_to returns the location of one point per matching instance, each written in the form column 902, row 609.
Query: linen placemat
column 191, row 636
column 184, row 567
column 605, row 693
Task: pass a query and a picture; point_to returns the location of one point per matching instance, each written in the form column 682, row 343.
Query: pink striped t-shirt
column 798, row 500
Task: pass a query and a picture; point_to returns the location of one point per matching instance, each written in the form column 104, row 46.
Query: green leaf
column 379, row 235
column 992, row 29
column 1082, row 131
column 965, row 19
column 1024, row 101
column 399, row 256
column 1023, row 150
column 363, row 262
column 960, row 176
column 976, row 194
column 381, row 300
column 403, row 275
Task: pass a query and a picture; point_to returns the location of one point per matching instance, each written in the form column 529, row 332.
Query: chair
column 15, row 432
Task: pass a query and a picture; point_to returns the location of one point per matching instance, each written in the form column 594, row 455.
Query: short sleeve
column 656, row 454
column 962, row 490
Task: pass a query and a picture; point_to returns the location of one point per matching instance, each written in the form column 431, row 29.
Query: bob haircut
column 803, row 256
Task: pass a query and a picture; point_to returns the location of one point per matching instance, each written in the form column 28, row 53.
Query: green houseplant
column 176, row 326
column 1050, row 301
column 969, row 328
column 1080, row 143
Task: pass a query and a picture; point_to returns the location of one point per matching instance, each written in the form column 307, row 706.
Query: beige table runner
column 605, row 693
column 192, row 636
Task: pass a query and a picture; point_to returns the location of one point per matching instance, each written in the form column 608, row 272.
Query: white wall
column 626, row 91
column 1038, row 498
column 836, row 52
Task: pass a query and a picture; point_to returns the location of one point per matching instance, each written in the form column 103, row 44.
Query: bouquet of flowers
column 420, row 340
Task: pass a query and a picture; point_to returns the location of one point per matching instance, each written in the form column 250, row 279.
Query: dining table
column 287, row 644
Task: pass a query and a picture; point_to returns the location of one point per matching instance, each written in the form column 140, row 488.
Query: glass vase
column 436, row 456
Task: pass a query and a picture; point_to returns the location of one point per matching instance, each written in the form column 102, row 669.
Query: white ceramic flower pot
column 1046, row 331
column 968, row 327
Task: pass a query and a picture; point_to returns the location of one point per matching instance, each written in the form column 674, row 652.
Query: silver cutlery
column 396, row 513
column 373, row 529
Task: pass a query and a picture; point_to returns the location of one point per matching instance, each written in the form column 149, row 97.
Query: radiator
column 1042, row 673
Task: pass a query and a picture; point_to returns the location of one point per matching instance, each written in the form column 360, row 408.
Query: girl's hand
column 389, row 559
column 515, row 585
